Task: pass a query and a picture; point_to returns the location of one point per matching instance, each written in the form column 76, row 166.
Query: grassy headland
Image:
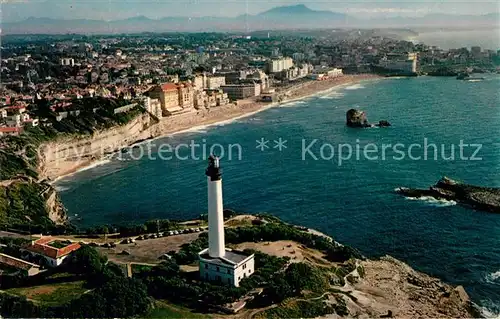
column 311, row 276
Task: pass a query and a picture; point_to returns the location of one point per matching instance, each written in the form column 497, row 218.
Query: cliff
column 26, row 203
column 55, row 208
column 65, row 155
column 389, row 285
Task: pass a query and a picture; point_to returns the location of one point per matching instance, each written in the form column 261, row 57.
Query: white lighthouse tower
column 216, row 262
column 215, row 209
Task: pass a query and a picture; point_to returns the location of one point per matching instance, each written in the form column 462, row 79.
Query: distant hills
column 279, row 18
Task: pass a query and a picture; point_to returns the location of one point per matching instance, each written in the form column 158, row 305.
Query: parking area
column 148, row 250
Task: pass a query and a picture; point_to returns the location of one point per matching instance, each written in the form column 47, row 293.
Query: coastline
column 193, row 121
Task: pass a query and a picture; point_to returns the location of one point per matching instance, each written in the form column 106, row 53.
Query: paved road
column 13, row 235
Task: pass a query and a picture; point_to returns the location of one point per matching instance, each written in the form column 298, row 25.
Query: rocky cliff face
column 391, row 287
column 67, row 155
column 55, row 208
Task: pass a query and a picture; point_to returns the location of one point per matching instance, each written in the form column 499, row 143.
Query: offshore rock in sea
column 357, row 118
column 477, row 197
column 383, row 123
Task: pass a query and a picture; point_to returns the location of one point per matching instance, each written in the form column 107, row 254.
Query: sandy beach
column 249, row 107
column 95, row 150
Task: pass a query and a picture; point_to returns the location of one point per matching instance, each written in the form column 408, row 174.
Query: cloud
column 388, row 10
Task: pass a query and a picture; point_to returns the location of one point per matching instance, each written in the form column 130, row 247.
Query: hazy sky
column 15, row 10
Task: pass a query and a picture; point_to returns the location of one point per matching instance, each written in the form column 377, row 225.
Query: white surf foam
column 434, row 201
column 332, row 96
column 93, row 165
column 60, row 188
column 355, row 87
column 494, row 277
column 195, row 129
column 200, row 131
column 292, row 104
column 486, row 312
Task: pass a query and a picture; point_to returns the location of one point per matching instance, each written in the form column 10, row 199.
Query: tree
column 120, row 297
column 88, row 261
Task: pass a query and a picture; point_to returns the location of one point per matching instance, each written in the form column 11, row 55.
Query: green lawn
column 164, row 309
column 52, row 294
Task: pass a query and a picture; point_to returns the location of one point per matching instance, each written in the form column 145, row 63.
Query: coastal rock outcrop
column 392, row 286
column 55, row 209
column 357, row 118
column 477, row 197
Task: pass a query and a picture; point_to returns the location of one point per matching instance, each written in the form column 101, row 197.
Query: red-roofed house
column 10, row 130
column 22, row 266
column 54, row 256
column 174, row 97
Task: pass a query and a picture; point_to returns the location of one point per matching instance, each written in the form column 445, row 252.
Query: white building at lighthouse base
column 229, row 269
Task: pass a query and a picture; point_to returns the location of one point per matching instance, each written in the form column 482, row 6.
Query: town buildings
column 174, row 97
column 404, row 64
column 202, row 81
column 67, row 62
column 195, row 72
column 278, row 65
column 241, row 91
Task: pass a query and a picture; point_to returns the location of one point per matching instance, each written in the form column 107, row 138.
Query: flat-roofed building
column 215, row 82
column 241, row 91
column 278, row 65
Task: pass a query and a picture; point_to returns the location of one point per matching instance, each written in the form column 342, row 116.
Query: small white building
column 67, row 61
column 230, row 269
column 216, row 262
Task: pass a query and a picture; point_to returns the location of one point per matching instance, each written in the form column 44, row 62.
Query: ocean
column 314, row 182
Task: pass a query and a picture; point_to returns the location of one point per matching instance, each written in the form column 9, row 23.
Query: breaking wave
column 434, row 201
column 333, row 95
column 61, row 188
column 292, row 104
column 490, row 310
column 93, row 165
column 494, row 277
column 354, row 87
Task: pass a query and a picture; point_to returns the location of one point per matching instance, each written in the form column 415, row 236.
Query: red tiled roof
column 169, row 87
column 44, row 250
column 10, row 129
column 16, row 262
column 16, row 107
column 41, row 247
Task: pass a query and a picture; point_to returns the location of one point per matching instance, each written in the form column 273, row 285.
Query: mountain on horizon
column 299, row 9
column 279, row 18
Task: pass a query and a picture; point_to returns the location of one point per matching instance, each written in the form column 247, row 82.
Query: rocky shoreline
column 477, row 197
